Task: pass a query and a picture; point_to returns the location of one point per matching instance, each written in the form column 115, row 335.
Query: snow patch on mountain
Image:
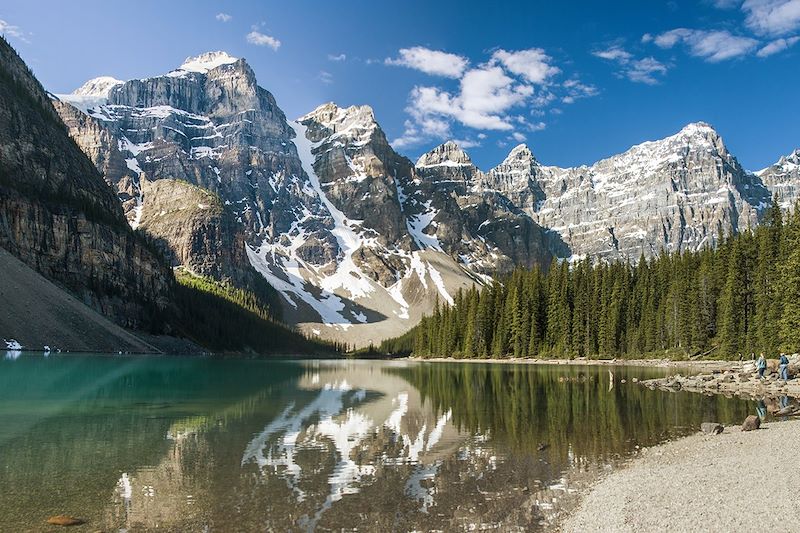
column 91, row 94
column 417, row 224
column 204, row 62
column 348, row 275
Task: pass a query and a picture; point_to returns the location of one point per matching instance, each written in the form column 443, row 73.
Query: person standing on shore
column 784, row 366
column 761, row 365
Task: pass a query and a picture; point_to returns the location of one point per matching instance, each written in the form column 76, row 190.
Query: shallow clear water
column 196, row 444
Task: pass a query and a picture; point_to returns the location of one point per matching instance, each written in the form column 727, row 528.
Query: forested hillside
column 741, row 297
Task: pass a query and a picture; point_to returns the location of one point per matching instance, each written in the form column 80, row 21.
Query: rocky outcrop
column 195, row 229
column 58, row 216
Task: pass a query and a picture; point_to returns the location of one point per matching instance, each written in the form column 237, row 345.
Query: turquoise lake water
column 205, row 444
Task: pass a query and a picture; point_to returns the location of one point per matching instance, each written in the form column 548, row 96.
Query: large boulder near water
column 751, row 422
column 711, row 428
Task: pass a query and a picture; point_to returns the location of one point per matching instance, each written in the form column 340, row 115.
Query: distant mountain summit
column 359, row 240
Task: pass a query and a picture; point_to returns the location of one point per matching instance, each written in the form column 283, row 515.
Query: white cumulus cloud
column 430, row 61
column 772, row 17
column 532, row 64
column 490, row 96
column 259, row 39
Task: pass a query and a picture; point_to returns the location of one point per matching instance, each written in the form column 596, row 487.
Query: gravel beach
column 736, row 481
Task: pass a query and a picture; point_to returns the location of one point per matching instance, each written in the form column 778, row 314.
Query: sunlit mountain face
column 195, row 444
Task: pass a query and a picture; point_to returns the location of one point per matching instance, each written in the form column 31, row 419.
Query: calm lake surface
column 203, row 444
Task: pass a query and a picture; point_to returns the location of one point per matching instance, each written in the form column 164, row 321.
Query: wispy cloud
column 223, row 17
column 726, row 4
column 642, row 70
column 711, row 45
column 576, row 90
column 325, row 77
column 430, row 61
column 337, row 57
column 10, row 30
column 466, row 144
column 776, row 46
column 259, row 39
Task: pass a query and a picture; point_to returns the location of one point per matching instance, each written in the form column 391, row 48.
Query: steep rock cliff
column 58, row 215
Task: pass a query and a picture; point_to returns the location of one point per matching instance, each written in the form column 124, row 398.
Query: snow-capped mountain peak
column 94, row 92
column 791, row 159
column 97, row 87
column 448, row 154
column 698, row 127
column 207, row 61
column 521, row 152
column 356, row 124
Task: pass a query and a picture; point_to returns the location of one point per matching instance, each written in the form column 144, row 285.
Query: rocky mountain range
column 359, row 240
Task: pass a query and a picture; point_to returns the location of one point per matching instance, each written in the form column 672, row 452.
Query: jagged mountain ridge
column 677, row 193
column 358, row 239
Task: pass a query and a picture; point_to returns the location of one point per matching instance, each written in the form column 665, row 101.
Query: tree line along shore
column 741, row 297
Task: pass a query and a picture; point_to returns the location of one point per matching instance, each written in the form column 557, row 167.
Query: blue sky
column 576, row 81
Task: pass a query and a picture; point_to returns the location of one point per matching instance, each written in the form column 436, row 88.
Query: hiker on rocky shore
column 761, row 365
column 784, row 367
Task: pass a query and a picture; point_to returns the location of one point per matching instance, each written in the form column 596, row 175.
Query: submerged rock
column 65, row 520
column 712, row 428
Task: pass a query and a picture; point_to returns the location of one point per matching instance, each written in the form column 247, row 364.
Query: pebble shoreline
column 734, row 481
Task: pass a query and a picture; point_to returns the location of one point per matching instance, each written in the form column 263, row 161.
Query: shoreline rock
column 739, row 379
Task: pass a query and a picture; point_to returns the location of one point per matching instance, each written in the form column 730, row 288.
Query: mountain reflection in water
column 189, row 444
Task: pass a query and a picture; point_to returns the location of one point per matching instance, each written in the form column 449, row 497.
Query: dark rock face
column 474, row 221
column 751, row 423
column 59, row 216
